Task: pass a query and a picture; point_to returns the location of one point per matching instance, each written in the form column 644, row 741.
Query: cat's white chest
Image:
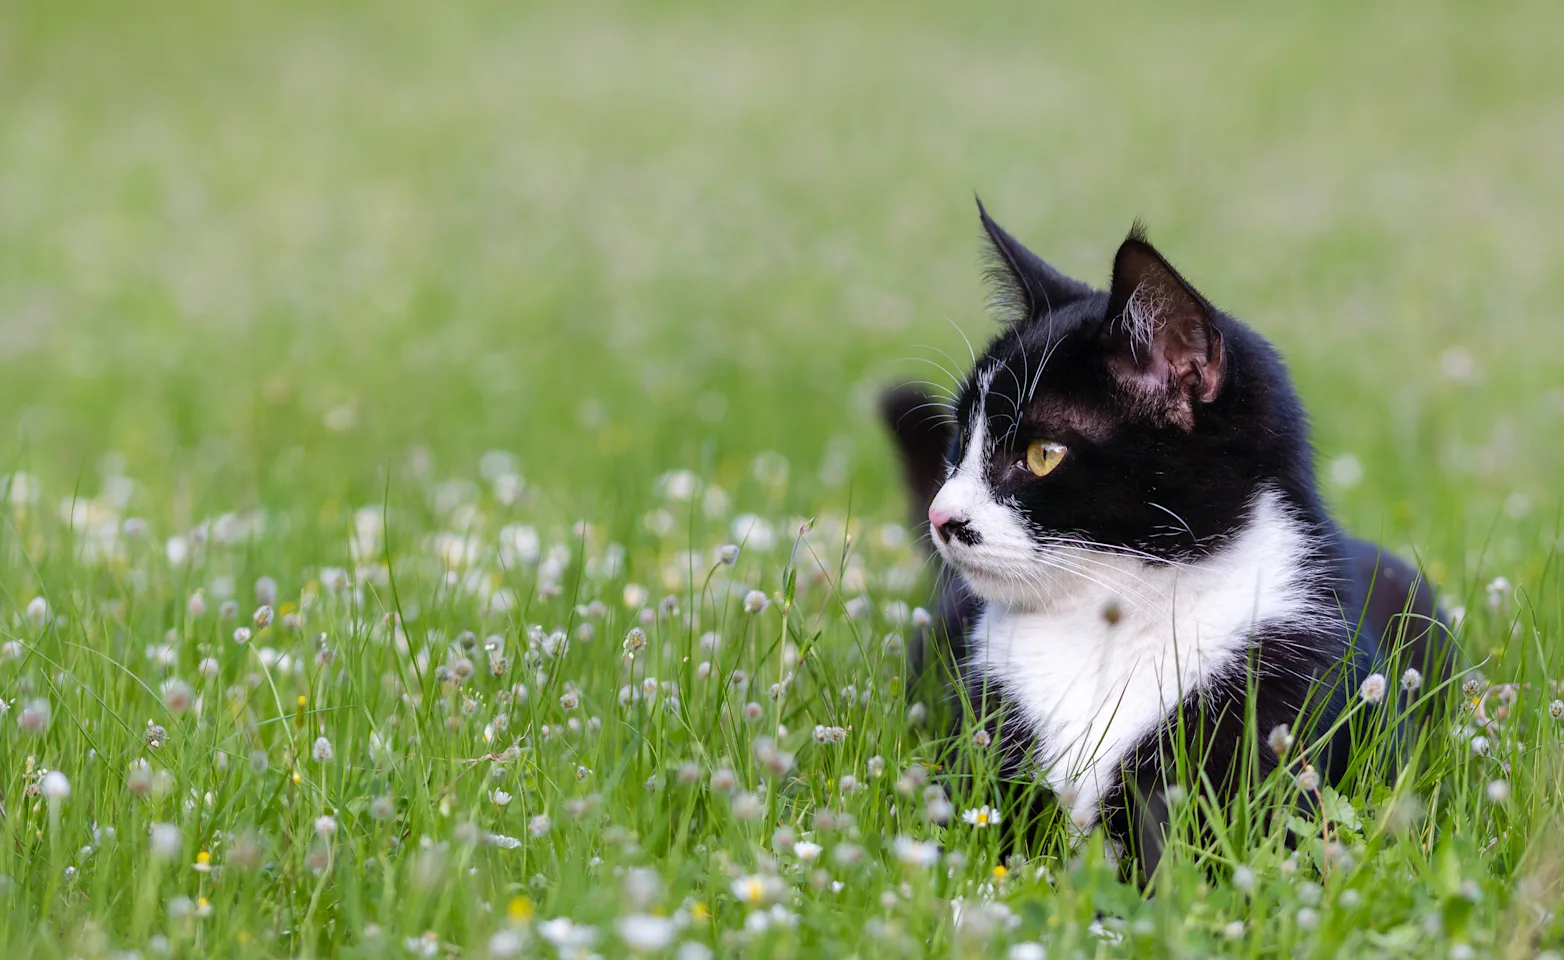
column 1096, row 670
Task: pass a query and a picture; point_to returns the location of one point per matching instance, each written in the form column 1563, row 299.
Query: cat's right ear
column 1025, row 288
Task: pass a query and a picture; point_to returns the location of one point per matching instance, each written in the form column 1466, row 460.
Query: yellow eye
column 1043, row 455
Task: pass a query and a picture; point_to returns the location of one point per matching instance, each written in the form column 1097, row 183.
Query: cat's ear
column 1163, row 347
column 1025, row 288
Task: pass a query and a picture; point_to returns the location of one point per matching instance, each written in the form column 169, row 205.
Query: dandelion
column 645, row 933
column 54, row 786
column 539, row 825
column 1373, row 688
column 806, row 851
column 1411, row 680
column 1499, row 791
column 166, row 841
column 322, row 751
column 34, row 717
column 1280, row 740
column 984, row 816
column 728, row 554
column 755, row 602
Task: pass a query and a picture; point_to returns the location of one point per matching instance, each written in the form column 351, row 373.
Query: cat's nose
column 948, row 524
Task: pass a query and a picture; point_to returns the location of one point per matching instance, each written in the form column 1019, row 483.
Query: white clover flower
column 875, row 766
column 539, row 825
column 54, row 786
column 34, row 716
column 1499, row 590
column 1308, row 918
column 1373, row 688
column 505, row 944
column 242, row 635
column 166, row 841
column 1308, row 780
column 1245, row 879
column 984, row 816
column 262, row 617
column 1280, row 740
column 1411, row 680
column 567, row 937
column 1028, row 950
column 177, row 696
column 325, row 827
column 1499, row 791
column 322, row 751
column 755, row 602
column 728, row 554
column 645, row 933
column 916, row 853
column 1234, row 930
column 195, row 607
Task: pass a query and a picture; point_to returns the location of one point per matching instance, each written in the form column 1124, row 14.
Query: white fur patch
column 1091, row 689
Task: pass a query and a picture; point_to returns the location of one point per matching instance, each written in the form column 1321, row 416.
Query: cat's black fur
column 1166, row 459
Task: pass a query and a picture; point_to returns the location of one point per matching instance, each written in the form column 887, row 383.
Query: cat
column 1123, row 499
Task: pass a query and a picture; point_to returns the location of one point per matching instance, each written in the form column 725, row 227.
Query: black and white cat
column 1124, row 491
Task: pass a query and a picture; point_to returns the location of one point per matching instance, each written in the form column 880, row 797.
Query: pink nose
column 949, row 525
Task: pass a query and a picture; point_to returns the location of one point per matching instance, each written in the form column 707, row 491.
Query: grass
column 276, row 279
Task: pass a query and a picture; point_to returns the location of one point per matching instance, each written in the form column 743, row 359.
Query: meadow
column 443, row 511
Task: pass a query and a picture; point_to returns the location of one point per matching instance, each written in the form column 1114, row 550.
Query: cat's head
column 1139, row 421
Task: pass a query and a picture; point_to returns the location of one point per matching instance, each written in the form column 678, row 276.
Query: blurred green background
column 261, row 251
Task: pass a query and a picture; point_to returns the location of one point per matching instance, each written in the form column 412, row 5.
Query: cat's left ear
column 1163, row 348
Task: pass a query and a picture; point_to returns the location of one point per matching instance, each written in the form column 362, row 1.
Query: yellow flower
column 519, row 909
column 203, row 862
column 698, row 912
column 1000, row 871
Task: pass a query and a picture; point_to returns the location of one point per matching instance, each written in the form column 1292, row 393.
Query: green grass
column 274, row 276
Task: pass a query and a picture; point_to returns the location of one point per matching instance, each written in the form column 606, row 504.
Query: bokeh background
column 282, row 254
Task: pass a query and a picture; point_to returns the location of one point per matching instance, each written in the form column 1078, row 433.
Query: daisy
column 984, row 816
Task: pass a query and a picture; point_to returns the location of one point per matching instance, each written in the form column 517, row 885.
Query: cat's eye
column 1043, row 455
